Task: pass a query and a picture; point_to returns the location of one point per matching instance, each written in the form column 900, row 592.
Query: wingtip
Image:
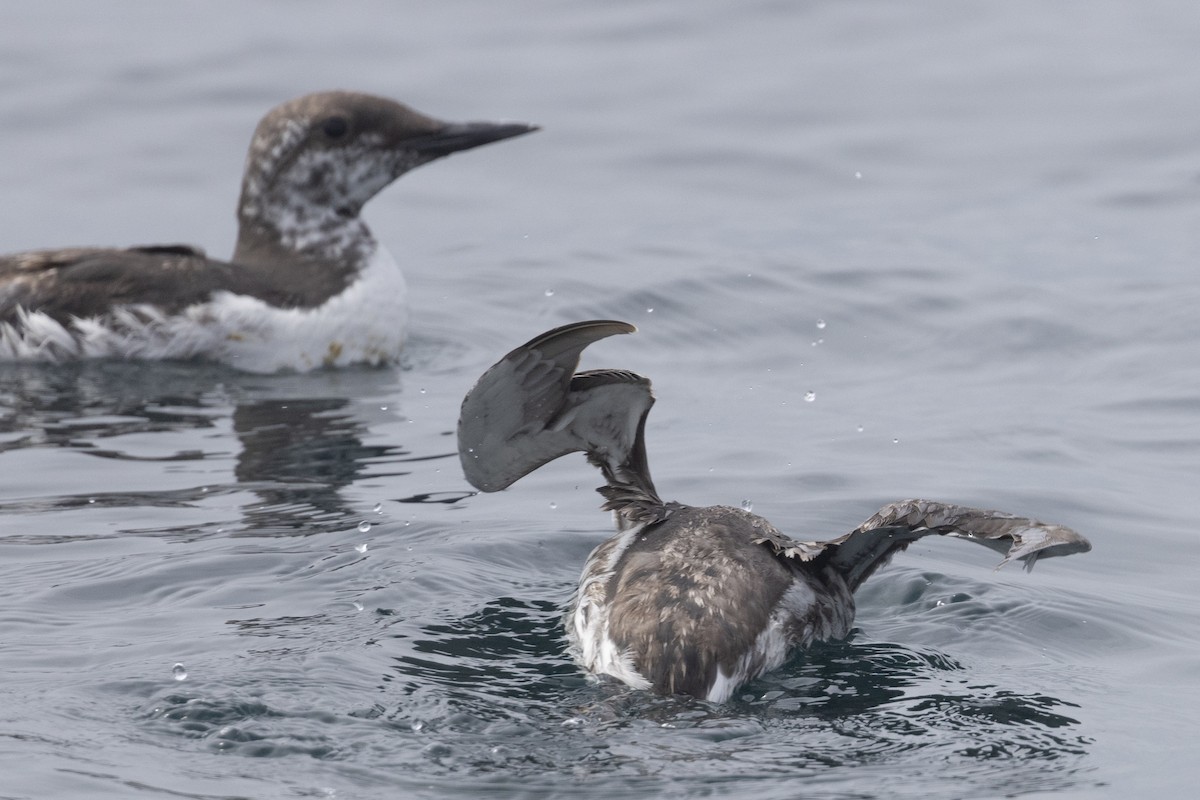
column 1041, row 540
column 589, row 331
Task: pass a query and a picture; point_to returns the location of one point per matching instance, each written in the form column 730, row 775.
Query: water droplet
column 179, row 672
column 362, row 548
column 358, row 606
column 857, row 175
column 649, row 310
column 895, row 441
column 364, row 526
column 417, row 726
column 747, row 505
column 91, row 500
column 549, row 293
column 553, row 506
column 821, row 324
column 383, row 408
column 422, row 391
column 203, row 490
column 436, row 750
column 860, row 428
column 378, row 509
column 810, row 396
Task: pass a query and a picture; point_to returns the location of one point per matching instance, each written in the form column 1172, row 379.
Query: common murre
column 308, row 284
column 687, row 600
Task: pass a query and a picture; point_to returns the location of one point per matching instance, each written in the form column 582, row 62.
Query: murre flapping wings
column 684, row 599
column 308, row 285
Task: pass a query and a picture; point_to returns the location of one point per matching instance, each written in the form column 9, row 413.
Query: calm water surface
column 970, row 231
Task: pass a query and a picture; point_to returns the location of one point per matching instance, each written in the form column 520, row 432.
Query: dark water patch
column 444, row 498
column 833, row 679
column 509, row 648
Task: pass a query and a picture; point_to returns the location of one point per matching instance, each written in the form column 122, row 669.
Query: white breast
column 365, row 324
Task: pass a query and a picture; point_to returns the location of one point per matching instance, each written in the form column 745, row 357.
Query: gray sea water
column 969, row 230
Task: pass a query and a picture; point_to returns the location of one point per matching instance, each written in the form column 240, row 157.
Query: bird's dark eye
column 335, row 127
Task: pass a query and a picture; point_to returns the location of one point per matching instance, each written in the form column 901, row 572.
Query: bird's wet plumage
column 683, row 599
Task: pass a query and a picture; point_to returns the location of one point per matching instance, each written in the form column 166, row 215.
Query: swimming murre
column 687, row 600
column 308, row 285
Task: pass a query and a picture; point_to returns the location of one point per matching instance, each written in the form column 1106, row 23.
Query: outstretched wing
column 871, row 545
column 530, row 408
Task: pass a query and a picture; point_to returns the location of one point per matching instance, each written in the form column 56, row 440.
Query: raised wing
column 530, row 408
column 871, row 545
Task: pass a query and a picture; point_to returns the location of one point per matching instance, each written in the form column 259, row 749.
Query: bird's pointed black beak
column 457, row 136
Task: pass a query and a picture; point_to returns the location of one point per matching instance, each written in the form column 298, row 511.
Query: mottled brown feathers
column 689, row 598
